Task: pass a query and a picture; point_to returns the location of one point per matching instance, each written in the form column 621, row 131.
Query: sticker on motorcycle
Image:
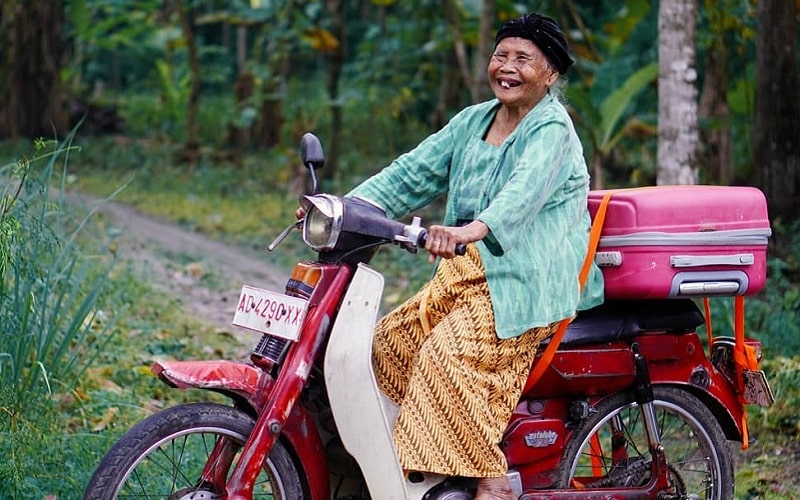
column 269, row 312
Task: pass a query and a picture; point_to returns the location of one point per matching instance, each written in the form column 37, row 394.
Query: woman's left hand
column 442, row 240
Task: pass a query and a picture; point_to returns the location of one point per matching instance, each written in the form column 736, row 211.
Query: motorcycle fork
column 287, row 388
column 218, row 464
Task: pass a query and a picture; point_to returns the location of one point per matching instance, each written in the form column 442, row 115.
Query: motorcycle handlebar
column 461, row 248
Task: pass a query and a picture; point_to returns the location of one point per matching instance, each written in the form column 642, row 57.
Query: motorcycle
column 628, row 405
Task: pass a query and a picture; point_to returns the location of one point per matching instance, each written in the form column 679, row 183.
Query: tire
column 163, row 456
column 696, row 448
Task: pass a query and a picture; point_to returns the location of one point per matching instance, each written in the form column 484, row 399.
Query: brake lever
column 294, row 225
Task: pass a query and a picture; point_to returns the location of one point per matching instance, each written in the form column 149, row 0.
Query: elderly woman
column 456, row 356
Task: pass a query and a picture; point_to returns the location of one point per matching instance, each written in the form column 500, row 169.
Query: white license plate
column 270, row 312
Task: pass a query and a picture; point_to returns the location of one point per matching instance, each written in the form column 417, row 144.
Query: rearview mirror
column 311, row 152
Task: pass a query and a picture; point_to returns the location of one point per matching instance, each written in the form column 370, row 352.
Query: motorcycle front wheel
column 164, row 455
column 610, row 449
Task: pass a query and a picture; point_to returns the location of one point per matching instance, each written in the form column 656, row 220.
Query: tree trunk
column 272, row 52
column 598, row 180
column 777, row 121
column 192, row 147
column 716, row 137
column 484, row 50
column 336, row 58
column 677, row 93
column 240, row 136
column 32, row 101
column 268, row 128
column 460, row 48
column 450, row 86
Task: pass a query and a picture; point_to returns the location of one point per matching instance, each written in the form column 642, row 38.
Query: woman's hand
column 442, row 240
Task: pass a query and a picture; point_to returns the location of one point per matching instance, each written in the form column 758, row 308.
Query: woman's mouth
column 507, row 84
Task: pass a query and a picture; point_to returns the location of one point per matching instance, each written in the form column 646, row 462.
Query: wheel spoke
column 169, row 455
column 613, row 441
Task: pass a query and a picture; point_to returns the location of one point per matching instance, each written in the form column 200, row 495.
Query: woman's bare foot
column 494, row 488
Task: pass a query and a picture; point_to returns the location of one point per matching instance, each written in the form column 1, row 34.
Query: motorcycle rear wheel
column 163, row 456
column 696, row 448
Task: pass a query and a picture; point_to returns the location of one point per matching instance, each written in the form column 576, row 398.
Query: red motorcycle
column 629, row 405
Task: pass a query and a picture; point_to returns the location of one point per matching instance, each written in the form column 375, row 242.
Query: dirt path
column 205, row 275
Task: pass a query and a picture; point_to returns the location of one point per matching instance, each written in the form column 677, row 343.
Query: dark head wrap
column 542, row 31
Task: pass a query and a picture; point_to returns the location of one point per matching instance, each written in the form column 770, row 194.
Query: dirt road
column 206, row 276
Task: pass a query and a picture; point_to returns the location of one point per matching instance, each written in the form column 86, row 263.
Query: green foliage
column 33, row 439
column 388, row 90
column 49, row 293
column 773, row 315
column 72, row 378
column 393, row 68
column 601, row 118
column 173, row 95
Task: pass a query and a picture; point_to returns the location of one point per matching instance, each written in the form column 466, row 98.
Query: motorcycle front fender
column 249, row 387
column 239, row 381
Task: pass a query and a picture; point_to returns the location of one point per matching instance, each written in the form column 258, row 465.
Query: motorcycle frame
column 363, row 415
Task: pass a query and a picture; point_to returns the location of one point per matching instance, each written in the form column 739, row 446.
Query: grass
column 79, row 332
column 247, row 204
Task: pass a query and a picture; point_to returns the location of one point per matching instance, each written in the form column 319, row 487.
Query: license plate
column 269, row 312
column 756, row 388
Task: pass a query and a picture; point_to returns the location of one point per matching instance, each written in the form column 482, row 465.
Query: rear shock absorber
column 271, row 350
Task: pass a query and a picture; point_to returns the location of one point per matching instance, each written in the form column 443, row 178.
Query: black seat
column 624, row 319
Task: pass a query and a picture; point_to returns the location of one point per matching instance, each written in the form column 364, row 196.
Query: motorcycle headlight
column 323, row 222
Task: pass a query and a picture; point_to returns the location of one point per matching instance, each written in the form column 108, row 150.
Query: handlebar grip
column 461, row 248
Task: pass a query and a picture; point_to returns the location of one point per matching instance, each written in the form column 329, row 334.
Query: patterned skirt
column 439, row 358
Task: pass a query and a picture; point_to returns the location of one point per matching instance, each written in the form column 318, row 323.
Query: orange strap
column 745, row 358
column 744, row 355
column 709, row 330
column 555, row 340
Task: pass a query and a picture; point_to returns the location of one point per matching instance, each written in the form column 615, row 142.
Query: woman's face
column 519, row 73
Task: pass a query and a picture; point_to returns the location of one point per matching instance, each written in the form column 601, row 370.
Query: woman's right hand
column 442, row 240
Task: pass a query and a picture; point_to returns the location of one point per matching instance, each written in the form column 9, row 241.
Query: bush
column 51, row 326
column 773, row 315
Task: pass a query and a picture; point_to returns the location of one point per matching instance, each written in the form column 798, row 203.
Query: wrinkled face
column 519, row 73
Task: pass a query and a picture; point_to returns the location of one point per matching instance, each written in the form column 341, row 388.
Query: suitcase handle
column 709, row 283
column 740, row 259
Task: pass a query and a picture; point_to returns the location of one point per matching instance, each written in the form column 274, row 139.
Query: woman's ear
column 552, row 77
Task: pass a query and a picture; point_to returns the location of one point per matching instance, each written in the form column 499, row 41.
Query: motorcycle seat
column 624, row 319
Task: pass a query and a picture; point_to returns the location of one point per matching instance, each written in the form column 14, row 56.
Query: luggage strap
column 555, row 340
column 744, row 356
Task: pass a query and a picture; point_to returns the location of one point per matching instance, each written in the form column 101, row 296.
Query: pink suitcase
column 676, row 241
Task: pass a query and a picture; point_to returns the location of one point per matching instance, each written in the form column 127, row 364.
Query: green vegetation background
column 58, row 422
column 80, row 327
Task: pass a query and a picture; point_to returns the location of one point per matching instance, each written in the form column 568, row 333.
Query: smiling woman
column 520, row 75
column 516, row 181
column 529, row 56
